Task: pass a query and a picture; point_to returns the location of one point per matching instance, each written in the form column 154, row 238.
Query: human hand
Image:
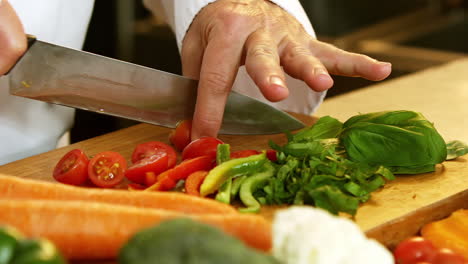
column 229, row 33
column 12, row 38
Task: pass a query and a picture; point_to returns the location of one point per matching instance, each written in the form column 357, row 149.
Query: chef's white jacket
column 29, row 127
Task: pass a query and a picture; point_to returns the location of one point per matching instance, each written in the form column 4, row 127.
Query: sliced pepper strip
column 194, row 181
column 249, row 186
column 229, row 169
column 168, row 179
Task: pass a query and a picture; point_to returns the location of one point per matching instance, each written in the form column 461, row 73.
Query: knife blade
column 87, row 81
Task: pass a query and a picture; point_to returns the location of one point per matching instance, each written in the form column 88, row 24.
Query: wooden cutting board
column 395, row 212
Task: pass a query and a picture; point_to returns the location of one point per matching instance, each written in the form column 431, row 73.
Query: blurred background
column 413, row 35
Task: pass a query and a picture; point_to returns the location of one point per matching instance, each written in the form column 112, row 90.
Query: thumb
column 12, row 38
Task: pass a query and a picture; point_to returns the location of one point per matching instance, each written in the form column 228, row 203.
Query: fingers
column 345, row 63
column 263, row 65
column 299, row 62
column 12, row 38
column 219, row 68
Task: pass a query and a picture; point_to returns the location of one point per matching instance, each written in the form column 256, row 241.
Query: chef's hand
column 229, row 33
column 12, row 38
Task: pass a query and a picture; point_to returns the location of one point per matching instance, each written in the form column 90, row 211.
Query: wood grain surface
column 394, row 212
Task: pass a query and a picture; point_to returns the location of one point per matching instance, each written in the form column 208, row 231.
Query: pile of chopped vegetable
column 334, row 165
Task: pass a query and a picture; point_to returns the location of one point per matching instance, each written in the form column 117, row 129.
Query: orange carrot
column 20, row 188
column 193, row 182
column 91, row 230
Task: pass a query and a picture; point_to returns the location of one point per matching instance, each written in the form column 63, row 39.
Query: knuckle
column 262, row 50
column 296, row 51
column 216, row 82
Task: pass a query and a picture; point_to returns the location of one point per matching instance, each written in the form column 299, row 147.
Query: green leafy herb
column 455, row 149
column 401, row 140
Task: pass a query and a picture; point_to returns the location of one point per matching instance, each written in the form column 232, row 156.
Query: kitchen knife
column 78, row 79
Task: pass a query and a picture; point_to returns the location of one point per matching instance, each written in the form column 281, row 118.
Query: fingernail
column 383, row 63
column 277, row 81
column 320, row 71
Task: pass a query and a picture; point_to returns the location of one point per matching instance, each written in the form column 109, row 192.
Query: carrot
column 92, row 230
column 20, row 188
column 193, row 182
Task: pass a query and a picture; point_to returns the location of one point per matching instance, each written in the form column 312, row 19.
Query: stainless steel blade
column 91, row 82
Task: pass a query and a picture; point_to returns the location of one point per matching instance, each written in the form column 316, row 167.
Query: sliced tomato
column 107, row 169
column 194, row 181
column 155, row 163
column 72, row 168
column 180, row 136
column 151, row 148
column 204, row 146
column 244, row 153
column 272, row 155
column 168, row 179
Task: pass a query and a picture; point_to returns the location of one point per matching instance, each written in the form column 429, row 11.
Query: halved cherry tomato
column 168, row 179
column 244, row 153
column 414, row 250
column 272, row 155
column 72, row 168
column 194, row 181
column 180, row 136
column 447, row 256
column 156, row 163
column 150, row 178
column 204, row 146
column 107, row 169
column 151, row 148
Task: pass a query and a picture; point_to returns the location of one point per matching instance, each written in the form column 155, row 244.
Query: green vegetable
column 14, row 249
column 223, row 153
column 224, row 192
column 325, row 127
column 184, row 241
column 230, row 169
column 403, row 141
column 249, row 186
column 37, row 252
column 236, row 184
column 455, row 149
column 8, row 242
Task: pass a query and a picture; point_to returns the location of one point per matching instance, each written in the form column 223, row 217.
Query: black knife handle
column 31, row 39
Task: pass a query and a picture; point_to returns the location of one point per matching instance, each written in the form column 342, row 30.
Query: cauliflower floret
column 306, row 235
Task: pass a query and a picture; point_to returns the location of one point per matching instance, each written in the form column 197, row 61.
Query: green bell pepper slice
column 230, row 169
column 249, row 186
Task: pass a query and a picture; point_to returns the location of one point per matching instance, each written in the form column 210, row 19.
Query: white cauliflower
column 306, row 235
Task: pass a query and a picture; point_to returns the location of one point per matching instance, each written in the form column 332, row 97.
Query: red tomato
column 156, row 163
column 107, row 169
column 244, row 153
column 151, row 148
column 72, row 168
column 414, row 250
column 272, row 155
column 180, row 136
column 447, row 256
column 204, row 146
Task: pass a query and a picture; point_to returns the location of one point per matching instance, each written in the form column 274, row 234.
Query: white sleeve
column 179, row 14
